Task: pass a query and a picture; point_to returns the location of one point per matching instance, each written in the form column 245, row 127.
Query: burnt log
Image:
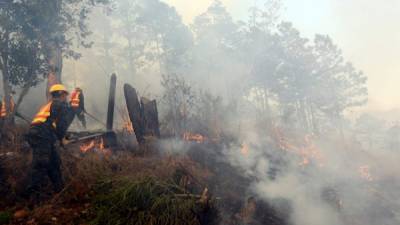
column 109, row 137
column 150, row 116
column 143, row 114
column 111, row 102
column 135, row 112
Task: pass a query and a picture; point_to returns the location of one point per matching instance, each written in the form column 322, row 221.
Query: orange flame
column 101, row 145
column 93, row 145
column 365, row 173
column 245, row 149
column 307, row 150
column 187, row 136
column 128, row 127
column 86, row 147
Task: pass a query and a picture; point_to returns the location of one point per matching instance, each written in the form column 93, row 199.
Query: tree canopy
column 36, row 35
column 266, row 60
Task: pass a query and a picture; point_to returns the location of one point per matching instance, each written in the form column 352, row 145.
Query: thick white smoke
column 343, row 185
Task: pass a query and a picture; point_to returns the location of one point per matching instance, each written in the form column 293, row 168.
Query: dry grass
column 144, row 201
column 135, row 178
column 84, row 172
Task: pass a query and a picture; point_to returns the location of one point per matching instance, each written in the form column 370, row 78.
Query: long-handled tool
column 94, row 118
column 17, row 114
column 89, row 137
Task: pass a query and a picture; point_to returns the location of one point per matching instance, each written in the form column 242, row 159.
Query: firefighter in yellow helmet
column 48, row 126
column 77, row 103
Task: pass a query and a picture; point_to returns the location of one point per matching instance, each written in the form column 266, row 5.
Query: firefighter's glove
column 63, row 142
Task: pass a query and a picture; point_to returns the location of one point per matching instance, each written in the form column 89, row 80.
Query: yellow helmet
column 58, row 87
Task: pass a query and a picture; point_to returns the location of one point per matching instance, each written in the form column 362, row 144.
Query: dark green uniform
column 46, row 162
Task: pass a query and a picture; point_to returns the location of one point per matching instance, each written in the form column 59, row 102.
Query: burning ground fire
column 309, row 153
column 94, row 145
column 86, row 147
column 128, row 127
column 187, row 136
column 244, row 150
column 365, row 174
column 307, row 150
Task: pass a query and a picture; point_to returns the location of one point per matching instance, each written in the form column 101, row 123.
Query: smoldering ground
column 343, row 185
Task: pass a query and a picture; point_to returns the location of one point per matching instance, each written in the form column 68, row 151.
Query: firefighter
column 3, row 111
column 48, row 126
column 78, row 105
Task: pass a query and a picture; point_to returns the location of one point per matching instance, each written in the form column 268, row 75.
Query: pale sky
column 368, row 32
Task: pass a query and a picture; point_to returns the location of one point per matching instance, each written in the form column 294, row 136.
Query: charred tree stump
column 135, row 112
column 143, row 114
column 110, row 137
column 150, row 116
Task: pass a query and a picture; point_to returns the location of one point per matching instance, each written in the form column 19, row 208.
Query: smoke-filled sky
column 366, row 30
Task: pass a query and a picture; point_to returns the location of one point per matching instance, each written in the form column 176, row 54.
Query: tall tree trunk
column 314, row 119
column 8, row 122
column 307, row 116
column 302, row 115
column 55, row 59
column 6, row 84
column 55, row 64
column 267, row 107
column 341, row 129
column 7, row 94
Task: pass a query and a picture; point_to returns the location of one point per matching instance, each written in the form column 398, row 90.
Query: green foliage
column 311, row 80
column 35, row 35
column 142, row 202
column 26, row 63
column 282, row 74
column 60, row 24
column 22, row 56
